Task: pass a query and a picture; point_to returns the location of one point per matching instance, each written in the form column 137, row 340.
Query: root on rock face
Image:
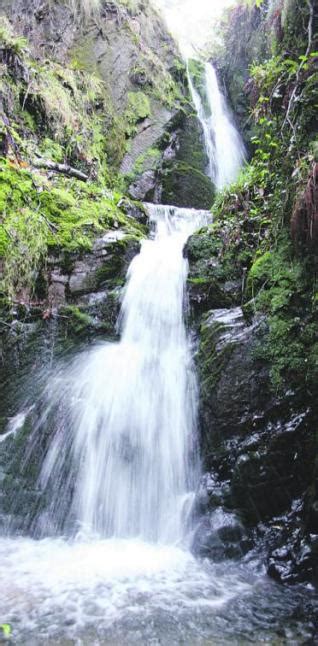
column 304, row 221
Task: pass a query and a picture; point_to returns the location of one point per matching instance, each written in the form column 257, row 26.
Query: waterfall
column 127, row 410
column 108, row 561
column 224, row 146
column 117, row 428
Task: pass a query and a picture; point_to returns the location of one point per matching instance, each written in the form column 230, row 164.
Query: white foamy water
column 119, row 470
column 223, row 143
column 111, row 591
column 127, row 410
column 113, row 568
column 14, row 425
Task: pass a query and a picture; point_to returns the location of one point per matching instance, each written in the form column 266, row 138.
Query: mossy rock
column 197, row 75
column 183, row 179
column 58, row 216
column 212, row 282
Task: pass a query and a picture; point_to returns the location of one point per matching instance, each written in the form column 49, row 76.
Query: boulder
column 234, row 385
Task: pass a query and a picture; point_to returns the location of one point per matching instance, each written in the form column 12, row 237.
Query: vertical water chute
column 223, row 143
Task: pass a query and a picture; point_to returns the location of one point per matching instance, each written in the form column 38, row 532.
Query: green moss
column 184, row 180
column 148, row 159
column 139, row 104
column 60, row 215
column 28, row 120
column 69, row 113
column 279, row 285
column 76, row 320
column 137, row 109
column 52, row 150
column 16, row 44
column 210, row 359
column 82, row 55
column 197, row 73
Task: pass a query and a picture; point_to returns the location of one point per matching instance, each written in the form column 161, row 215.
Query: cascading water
column 128, row 409
column 224, row 146
column 117, row 475
column 113, row 566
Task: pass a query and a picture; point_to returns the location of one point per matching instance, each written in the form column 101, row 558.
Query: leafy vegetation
column 63, row 114
column 56, row 215
column 272, row 199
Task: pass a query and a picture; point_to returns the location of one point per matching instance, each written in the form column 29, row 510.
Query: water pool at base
column 121, row 592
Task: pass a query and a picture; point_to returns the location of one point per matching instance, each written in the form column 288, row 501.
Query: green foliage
column 51, row 150
column 280, row 286
column 26, row 247
column 197, row 74
column 139, row 104
column 41, row 216
column 276, row 278
column 16, row 44
column 252, row 218
column 138, row 108
column 77, row 321
column 23, row 232
column 6, row 630
column 66, row 112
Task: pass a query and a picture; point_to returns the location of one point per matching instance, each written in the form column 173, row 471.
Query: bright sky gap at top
column 191, row 21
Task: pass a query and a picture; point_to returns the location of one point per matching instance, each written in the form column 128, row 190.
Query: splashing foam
column 54, row 589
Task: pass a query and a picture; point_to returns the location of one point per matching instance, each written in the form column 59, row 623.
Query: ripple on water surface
column 128, row 592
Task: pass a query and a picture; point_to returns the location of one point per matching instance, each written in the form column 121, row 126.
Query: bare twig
column 48, row 222
column 26, row 94
column 65, row 169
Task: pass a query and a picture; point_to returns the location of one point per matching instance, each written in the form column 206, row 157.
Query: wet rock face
column 264, row 481
column 272, row 467
column 257, row 447
column 234, row 391
column 105, row 267
column 220, row 536
column 134, row 210
column 175, row 171
column 82, row 300
column 128, row 48
column 49, row 26
column 151, row 139
column 144, row 186
column 182, row 177
column 292, row 552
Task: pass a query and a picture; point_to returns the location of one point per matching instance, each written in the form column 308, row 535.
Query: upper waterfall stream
column 223, row 143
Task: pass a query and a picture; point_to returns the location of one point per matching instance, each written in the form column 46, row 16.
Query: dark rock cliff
column 252, row 282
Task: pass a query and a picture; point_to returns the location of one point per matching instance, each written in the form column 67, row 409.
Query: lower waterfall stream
column 111, row 561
